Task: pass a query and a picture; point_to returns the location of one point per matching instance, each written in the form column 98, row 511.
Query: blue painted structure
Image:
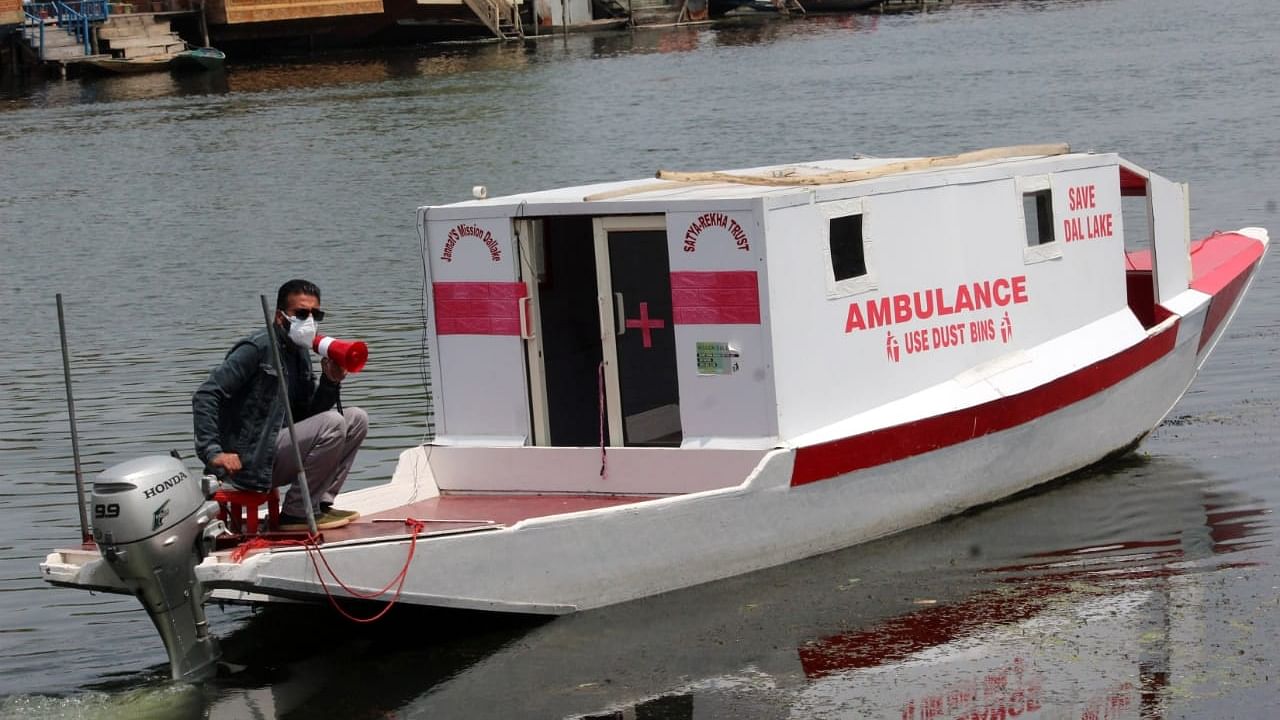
column 75, row 16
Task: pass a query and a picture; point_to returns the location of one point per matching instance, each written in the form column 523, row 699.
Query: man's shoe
column 329, row 521
column 335, row 512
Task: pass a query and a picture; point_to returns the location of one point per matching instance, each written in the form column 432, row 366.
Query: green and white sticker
column 716, row 358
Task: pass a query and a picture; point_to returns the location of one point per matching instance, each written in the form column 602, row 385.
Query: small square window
column 847, row 258
column 1037, row 212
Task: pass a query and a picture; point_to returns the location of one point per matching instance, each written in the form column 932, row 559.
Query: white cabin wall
column 1172, row 237
column 928, row 240
column 803, row 325
column 1091, row 283
column 479, row 379
column 723, row 410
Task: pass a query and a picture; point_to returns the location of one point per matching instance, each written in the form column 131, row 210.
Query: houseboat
column 645, row 385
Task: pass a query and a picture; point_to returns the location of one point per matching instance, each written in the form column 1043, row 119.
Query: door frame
column 529, row 246
column 611, row 326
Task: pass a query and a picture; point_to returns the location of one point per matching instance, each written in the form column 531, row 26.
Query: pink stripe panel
column 478, row 308
column 715, row 298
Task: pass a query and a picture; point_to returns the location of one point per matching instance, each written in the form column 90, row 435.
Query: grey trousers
column 328, row 443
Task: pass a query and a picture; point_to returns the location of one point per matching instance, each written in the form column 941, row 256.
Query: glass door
column 634, row 277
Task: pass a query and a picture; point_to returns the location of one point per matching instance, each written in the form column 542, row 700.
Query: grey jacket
column 238, row 408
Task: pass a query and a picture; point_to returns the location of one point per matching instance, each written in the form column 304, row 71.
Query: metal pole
column 71, row 412
column 301, row 479
column 204, row 25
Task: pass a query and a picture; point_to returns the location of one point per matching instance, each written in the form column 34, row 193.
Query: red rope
column 317, row 559
column 259, row 543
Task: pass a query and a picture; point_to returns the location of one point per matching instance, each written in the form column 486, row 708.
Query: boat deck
column 459, row 511
column 454, row 513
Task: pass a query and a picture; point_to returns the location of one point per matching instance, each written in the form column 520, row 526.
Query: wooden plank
column 142, row 41
column 647, row 187
column 833, row 178
column 152, row 50
column 249, row 11
column 10, row 12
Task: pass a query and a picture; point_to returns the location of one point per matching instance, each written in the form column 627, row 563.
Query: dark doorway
column 571, row 346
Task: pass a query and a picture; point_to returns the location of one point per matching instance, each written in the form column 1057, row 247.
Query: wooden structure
column 233, row 12
column 10, row 12
column 502, row 17
column 132, row 37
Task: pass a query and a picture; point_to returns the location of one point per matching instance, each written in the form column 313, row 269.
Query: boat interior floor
column 456, row 513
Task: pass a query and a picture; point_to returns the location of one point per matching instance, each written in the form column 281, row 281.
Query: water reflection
column 367, row 68
column 1069, row 601
column 375, row 66
column 1083, row 600
column 279, row 665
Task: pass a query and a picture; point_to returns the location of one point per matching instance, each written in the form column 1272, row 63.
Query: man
column 240, row 424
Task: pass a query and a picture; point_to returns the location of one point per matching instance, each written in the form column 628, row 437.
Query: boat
column 646, row 385
column 738, row 8
column 199, row 59
column 130, row 66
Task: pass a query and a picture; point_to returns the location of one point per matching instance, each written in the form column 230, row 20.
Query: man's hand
column 332, row 370
column 228, row 462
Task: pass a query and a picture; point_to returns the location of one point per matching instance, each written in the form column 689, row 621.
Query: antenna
column 71, row 413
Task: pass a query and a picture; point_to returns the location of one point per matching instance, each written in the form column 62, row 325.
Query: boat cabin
column 766, row 307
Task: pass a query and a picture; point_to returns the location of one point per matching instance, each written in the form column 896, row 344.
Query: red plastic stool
column 234, row 502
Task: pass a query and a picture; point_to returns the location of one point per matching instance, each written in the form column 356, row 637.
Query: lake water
column 161, row 208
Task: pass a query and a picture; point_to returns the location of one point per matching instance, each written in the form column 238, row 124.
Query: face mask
column 302, row 332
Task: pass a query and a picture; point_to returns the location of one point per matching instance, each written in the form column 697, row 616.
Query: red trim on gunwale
column 1216, row 264
column 1215, row 260
column 1221, row 266
column 879, row 447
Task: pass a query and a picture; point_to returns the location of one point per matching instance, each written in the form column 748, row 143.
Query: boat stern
column 81, row 568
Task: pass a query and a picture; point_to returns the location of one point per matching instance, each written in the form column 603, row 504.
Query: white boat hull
column 600, row 557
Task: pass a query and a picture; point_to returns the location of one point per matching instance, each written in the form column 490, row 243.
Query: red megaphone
column 351, row 355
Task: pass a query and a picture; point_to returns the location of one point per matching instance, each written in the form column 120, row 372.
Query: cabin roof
column 848, row 176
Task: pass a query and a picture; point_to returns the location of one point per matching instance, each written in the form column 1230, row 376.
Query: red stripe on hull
column 478, row 308
column 879, row 447
column 715, row 298
column 1220, row 306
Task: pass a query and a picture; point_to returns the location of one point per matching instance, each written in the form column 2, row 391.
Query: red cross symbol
column 645, row 324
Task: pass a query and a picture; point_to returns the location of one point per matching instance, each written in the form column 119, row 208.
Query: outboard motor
column 153, row 523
